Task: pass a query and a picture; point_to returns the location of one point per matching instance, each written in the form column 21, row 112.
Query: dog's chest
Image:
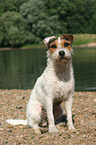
column 62, row 91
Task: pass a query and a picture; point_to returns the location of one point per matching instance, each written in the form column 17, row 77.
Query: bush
column 12, row 28
column 39, row 23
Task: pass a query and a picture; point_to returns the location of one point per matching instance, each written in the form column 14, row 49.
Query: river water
column 21, row 68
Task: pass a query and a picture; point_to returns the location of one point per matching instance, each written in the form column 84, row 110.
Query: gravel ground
column 13, row 105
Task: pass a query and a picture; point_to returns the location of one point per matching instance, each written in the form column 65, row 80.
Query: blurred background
column 25, row 23
column 29, row 21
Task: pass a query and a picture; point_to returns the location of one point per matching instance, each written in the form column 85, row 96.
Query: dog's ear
column 46, row 40
column 68, row 37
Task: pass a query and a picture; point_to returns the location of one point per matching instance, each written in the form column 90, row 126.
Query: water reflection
column 85, row 67
column 21, row 68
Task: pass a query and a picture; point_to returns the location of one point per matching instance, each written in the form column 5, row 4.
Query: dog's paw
column 72, row 128
column 53, row 130
column 37, row 131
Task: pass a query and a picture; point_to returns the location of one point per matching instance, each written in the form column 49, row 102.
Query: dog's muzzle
column 63, row 56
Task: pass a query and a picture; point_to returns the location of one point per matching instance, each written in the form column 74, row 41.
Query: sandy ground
column 13, row 105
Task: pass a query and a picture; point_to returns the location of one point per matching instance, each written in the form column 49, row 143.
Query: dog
column 54, row 86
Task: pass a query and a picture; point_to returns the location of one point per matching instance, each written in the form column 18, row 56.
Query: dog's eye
column 53, row 46
column 66, row 44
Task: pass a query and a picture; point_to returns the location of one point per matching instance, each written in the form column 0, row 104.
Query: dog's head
column 59, row 48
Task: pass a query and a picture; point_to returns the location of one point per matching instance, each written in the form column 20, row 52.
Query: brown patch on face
column 51, row 41
column 66, row 44
column 68, row 37
column 52, row 50
column 53, row 46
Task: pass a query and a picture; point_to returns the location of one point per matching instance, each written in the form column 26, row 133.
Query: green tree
column 93, row 23
column 10, row 5
column 29, row 21
column 74, row 16
column 12, row 28
column 79, row 16
column 58, row 8
column 39, row 23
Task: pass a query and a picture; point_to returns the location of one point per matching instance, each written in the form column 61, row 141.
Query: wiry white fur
column 55, row 55
column 46, row 40
column 59, row 41
column 57, row 81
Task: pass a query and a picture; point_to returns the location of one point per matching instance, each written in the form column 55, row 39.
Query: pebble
column 84, row 136
column 21, row 136
column 5, row 142
column 19, row 107
column 20, row 97
column 9, row 130
column 10, row 126
column 1, row 129
column 84, row 121
column 94, row 100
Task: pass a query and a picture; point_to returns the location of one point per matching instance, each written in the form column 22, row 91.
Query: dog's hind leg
column 34, row 116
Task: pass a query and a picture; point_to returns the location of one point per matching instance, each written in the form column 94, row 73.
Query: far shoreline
column 86, row 45
column 39, row 46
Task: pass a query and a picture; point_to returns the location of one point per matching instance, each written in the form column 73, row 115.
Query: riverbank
column 13, row 105
column 38, row 46
column 80, row 40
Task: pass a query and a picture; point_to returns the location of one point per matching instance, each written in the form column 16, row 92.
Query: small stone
column 1, row 129
column 21, row 136
column 47, row 137
column 84, row 136
column 9, row 130
column 20, row 97
column 5, row 142
column 19, row 107
column 23, row 97
column 60, row 134
column 10, row 126
column 94, row 100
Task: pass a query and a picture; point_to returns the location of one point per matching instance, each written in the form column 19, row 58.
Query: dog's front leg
column 68, row 106
column 49, row 110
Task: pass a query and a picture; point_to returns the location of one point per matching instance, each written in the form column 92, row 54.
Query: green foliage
column 39, row 23
column 12, row 28
column 29, row 21
column 10, row 5
column 74, row 16
column 80, row 16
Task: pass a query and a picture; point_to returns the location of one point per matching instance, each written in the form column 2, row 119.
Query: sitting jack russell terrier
column 54, row 86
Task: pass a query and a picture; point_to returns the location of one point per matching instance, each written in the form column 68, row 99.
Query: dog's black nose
column 61, row 53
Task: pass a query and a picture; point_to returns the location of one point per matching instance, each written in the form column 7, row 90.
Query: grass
column 41, row 45
column 79, row 39
column 82, row 39
column 31, row 46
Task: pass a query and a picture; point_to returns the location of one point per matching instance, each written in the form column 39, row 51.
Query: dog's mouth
column 64, row 58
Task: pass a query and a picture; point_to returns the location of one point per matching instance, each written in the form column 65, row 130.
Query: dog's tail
column 16, row 121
